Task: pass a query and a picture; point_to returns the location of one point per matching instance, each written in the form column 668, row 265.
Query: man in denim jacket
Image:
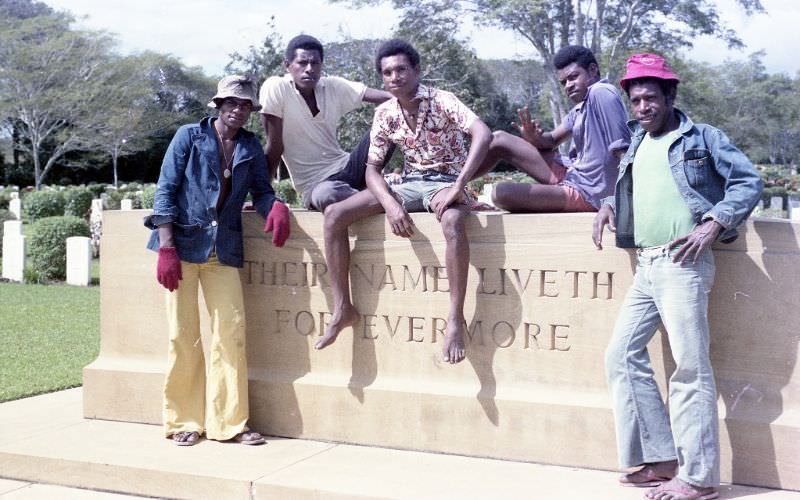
column 685, row 186
column 197, row 230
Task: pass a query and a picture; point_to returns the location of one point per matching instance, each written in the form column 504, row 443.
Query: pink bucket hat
column 647, row 66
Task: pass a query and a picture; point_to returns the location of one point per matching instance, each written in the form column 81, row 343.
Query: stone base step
column 45, row 440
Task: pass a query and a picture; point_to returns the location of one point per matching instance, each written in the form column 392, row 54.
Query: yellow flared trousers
column 206, row 395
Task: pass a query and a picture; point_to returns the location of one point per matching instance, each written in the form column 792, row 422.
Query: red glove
column 278, row 219
column 168, row 269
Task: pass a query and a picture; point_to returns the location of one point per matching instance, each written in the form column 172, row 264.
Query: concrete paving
column 47, row 450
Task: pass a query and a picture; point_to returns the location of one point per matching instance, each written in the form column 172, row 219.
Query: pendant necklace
column 226, row 172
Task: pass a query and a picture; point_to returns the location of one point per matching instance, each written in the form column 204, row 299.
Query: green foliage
column 49, row 334
column 40, row 204
column 78, row 201
column 125, row 192
column 148, row 196
column 48, row 249
column 284, row 190
column 96, row 189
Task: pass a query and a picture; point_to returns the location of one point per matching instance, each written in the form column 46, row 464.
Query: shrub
column 284, row 189
column 96, row 189
column 41, row 204
column 78, row 202
column 148, row 196
column 48, row 245
column 115, row 197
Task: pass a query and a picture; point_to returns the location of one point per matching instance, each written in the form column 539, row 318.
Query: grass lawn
column 48, row 333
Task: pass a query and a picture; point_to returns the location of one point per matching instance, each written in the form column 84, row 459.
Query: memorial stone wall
column 541, row 304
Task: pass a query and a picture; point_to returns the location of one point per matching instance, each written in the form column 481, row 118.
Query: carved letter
column 435, row 330
column 575, row 276
column 310, row 327
column 482, row 282
column 529, row 335
column 421, row 276
column 522, row 287
column 280, row 320
column 544, row 281
column 509, row 336
column 249, row 263
column 392, row 329
column 609, row 284
column 388, row 278
column 286, row 273
column 368, row 322
column 555, row 336
column 272, row 272
column 304, row 282
column 369, row 279
column 439, row 273
column 318, row 272
column 477, row 329
column 412, row 327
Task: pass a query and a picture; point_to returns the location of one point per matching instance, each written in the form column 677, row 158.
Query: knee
column 500, row 196
column 500, row 140
column 453, row 226
column 333, row 217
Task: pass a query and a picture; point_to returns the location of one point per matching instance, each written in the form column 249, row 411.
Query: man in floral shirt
column 431, row 127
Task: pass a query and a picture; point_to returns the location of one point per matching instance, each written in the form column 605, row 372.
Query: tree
column 611, row 28
column 136, row 86
column 51, row 79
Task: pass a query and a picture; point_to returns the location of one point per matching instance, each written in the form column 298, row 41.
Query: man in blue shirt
column 681, row 186
column 197, row 230
column 578, row 182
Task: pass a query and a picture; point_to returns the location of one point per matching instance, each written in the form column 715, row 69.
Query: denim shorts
column 418, row 189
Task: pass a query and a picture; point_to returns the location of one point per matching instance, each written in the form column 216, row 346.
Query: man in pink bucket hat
column 685, row 186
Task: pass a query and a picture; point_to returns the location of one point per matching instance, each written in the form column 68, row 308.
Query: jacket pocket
column 697, row 165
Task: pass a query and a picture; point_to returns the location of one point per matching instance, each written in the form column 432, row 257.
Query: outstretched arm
column 376, row 96
column 531, row 131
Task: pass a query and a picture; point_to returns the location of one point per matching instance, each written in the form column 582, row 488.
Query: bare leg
column 520, row 153
column 338, row 217
column 457, row 265
column 521, row 197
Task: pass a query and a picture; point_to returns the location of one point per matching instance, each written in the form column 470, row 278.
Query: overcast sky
column 204, row 32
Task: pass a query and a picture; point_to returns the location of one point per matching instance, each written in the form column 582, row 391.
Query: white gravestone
column 13, row 251
column 15, row 207
column 794, row 209
column 126, row 204
column 486, row 195
column 776, row 202
column 79, row 261
column 96, row 224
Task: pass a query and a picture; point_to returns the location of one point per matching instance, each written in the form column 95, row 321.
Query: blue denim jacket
column 188, row 189
column 715, row 179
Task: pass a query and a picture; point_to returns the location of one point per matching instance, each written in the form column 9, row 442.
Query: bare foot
column 676, row 489
column 186, row 438
column 249, row 438
column 347, row 316
column 649, row 475
column 453, row 351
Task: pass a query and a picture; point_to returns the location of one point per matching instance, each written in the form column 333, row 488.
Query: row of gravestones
column 792, row 206
column 79, row 248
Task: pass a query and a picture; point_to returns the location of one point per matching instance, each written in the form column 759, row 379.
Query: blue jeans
column 677, row 295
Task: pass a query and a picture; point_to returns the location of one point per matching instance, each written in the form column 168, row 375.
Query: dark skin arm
column 696, row 242
column 273, row 128
column 604, row 216
column 376, row 96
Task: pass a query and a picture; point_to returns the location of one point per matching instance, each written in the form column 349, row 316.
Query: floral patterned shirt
column 439, row 143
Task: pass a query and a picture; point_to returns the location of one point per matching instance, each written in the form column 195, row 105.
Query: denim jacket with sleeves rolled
column 188, row 189
column 716, row 180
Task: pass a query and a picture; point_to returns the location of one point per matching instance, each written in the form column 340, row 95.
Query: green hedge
column 41, row 204
column 284, row 189
column 148, row 196
column 48, row 245
column 78, row 201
